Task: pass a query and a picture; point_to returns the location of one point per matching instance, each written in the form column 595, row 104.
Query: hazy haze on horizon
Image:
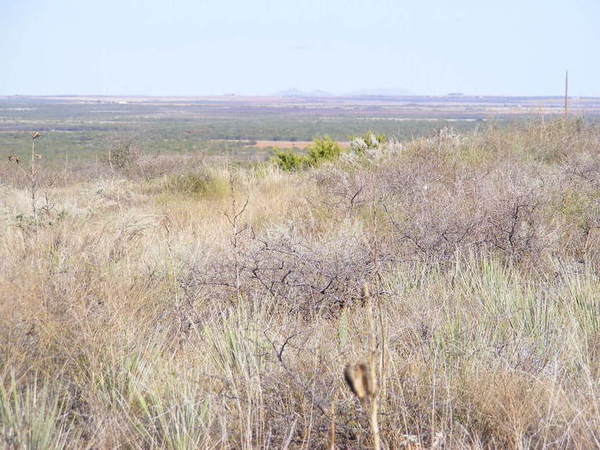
column 161, row 47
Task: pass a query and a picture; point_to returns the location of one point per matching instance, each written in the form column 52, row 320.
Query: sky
column 258, row 47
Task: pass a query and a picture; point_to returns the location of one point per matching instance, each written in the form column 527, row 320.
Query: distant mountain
column 387, row 92
column 298, row 93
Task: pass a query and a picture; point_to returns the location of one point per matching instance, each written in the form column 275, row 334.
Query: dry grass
column 201, row 306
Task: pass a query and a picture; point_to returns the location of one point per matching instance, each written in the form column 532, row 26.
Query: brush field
column 181, row 300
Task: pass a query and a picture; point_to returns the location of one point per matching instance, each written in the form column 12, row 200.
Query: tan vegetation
column 178, row 303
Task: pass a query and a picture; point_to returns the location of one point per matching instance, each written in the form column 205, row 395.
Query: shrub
column 292, row 268
column 368, row 141
column 323, row 149
column 122, row 155
column 290, row 161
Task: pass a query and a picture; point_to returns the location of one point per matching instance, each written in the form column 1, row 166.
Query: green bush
column 290, row 161
column 323, row 149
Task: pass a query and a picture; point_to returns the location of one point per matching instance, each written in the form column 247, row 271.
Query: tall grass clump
column 201, row 183
column 33, row 417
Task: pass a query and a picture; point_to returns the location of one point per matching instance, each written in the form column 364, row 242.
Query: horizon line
column 300, row 96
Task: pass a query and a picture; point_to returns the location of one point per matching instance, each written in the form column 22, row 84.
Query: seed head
column 359, row 381
column 365, row 291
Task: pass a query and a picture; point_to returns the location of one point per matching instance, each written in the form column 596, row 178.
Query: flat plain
column 82, row 128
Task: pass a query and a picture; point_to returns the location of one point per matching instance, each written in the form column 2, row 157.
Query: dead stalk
column 332, row 423
column 363, row 378
column 33, row 176
column 233, row 217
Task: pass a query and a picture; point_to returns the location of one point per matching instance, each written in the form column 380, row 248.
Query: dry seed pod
column 35, row 135
column 365, row 292
column 365, row 295
column 359, row 380
column 14, row 158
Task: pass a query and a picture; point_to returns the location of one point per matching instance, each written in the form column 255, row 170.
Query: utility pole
column 566, row 93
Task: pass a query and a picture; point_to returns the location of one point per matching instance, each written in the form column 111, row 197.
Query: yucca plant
column 31, row 418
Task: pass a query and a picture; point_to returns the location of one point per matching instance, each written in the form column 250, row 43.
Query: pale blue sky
column 197, row 47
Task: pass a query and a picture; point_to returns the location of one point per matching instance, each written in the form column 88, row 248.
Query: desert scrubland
column 178, row 301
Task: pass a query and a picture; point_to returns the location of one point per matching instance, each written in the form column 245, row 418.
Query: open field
column 170, row 300
column 85, row 128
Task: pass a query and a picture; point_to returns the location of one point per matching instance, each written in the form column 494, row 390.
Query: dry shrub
column 154, row 166
column 516, row 220
column 438, row 203
column 346, row 192
column 288, row 267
